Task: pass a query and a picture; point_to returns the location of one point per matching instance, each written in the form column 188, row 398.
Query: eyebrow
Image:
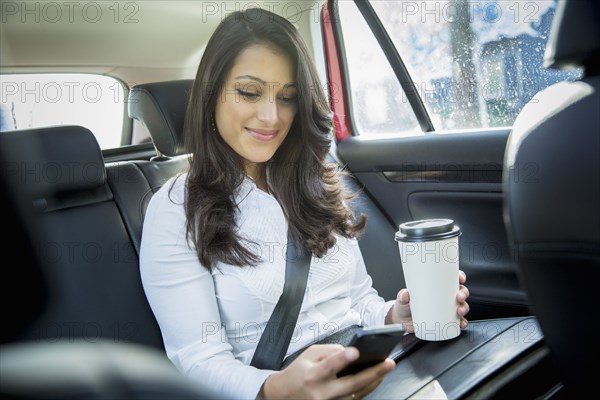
column 261, row 81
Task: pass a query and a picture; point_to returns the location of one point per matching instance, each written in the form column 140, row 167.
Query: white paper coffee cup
column 430, row 255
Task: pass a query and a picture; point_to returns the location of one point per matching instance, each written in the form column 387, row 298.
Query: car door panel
column 457, row 176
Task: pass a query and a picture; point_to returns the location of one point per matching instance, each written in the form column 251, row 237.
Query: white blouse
column 211, row 322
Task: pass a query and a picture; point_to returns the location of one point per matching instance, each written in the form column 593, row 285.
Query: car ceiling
column 144, row 41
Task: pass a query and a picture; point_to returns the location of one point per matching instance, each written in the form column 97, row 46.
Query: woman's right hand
column 313, row 375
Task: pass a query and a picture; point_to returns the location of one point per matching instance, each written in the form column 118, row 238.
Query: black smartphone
column 374, row 346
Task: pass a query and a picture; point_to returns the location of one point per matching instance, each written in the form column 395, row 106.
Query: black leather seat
column 553, row 214
column 75, row 301
column 85, row 251
column 161, row 108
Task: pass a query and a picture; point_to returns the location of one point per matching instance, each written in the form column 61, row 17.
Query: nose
column 267, row 111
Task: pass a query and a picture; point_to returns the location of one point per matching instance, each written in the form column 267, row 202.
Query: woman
column 258, row 127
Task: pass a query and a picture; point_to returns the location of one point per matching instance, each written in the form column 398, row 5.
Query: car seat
column 552, row 196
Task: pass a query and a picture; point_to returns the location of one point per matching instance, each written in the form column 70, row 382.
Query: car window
column 474, row 64
column 37, row 100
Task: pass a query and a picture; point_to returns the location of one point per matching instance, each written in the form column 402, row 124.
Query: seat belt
column 276, row 337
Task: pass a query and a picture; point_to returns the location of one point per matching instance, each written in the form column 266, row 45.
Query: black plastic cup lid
column 426, row 230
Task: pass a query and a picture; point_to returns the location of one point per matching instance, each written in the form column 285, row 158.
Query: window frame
column 392, row 56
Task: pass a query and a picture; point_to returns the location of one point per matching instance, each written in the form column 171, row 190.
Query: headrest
column 161, row 106
column 575, row 36
column 49, row 161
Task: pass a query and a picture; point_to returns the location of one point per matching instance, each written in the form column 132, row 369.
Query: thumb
column 403, row 297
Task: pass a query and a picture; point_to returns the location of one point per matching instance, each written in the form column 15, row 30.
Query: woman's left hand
column 400, row 312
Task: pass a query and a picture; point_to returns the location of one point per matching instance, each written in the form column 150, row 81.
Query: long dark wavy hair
column 309, row 190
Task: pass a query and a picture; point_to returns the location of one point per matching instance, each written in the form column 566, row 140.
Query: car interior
column 77, row 322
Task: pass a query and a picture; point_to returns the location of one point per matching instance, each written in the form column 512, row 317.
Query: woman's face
column 257, row 106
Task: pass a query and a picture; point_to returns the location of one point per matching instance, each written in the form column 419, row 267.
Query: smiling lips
column 262, row 134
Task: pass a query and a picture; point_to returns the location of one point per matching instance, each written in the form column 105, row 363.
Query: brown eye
column 290, row 100
column 248, row 95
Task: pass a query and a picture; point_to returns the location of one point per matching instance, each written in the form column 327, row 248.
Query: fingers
column 316, row 371
column 462, row 310
column 334, row 358
column 319, row 352
column 463, row 307
column 463, row 294
column 462, row 277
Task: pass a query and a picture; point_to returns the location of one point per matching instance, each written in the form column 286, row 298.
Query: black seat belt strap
column 276, row 337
